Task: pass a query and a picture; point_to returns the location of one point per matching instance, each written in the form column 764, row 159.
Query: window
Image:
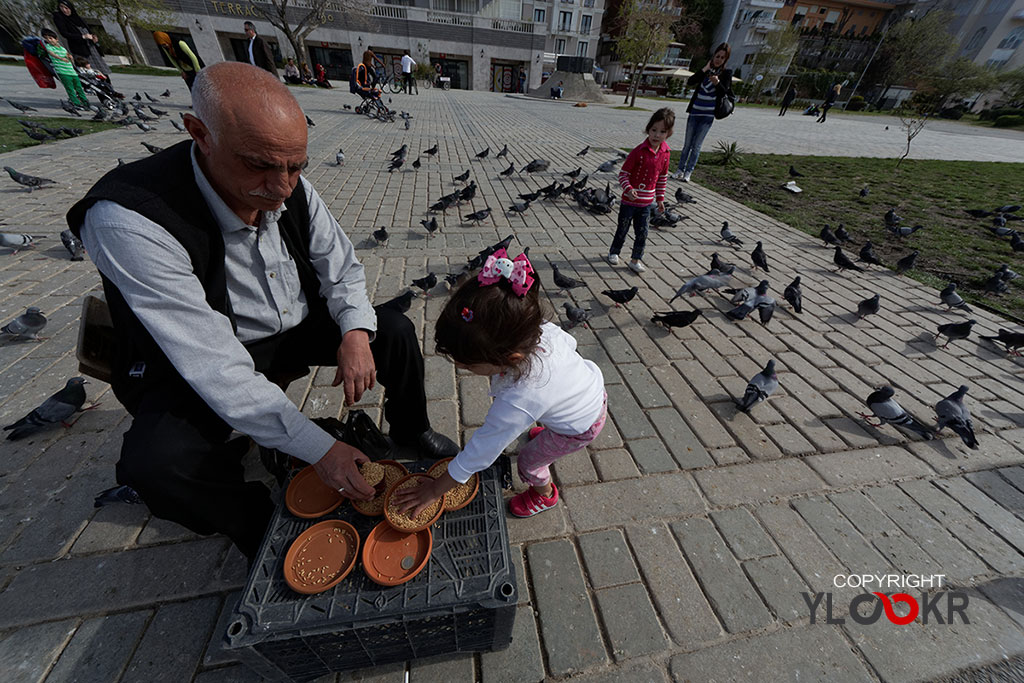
column 975, row 41
column 863, row 30
column 585, row 22
column 823, row 10
column 560, row 46
column 588, row 3
column 749, row 59
column 1013, row 40
column 539, row 16
column 581, row 49
column 565, row 21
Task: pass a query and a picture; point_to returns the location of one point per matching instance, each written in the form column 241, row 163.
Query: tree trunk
column 632, row 84
column 640, row 72
column 133, row 55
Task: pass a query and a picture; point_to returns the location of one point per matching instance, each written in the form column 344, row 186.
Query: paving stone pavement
column 688, row 533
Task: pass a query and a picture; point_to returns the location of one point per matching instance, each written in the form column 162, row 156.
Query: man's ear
column 199, row 132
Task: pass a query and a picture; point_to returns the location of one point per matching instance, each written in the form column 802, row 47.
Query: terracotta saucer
column 321, row 556
column 375, row 507
column 402, row 522
column 309, row 497
column 392, row 557
column 460, row 496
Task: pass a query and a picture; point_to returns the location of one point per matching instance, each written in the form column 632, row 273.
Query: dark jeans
column 785, row 106
column 824, row 112
column 410, row 83
column 637, row 215
column 176, row 453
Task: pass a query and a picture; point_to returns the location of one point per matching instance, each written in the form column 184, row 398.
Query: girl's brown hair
column 486, row 324
column 663, row 115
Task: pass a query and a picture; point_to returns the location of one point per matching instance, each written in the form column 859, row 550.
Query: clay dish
column 393, row 471
column 321, row 557
column 392, row 557
column 460, row 496
column 309, row 497
column 402, row 522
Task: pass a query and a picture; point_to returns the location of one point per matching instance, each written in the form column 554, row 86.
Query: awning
column 678, row 73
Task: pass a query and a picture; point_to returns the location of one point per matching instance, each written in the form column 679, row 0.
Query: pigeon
column 402, row 152
column 158, row 112
column 954, row 331
column 309, row 122
column 1000, row 222
column 906, row 263
column 426, row 283
column 462, row 177
column 416, row 164
column 19, row 106
column 339, row 158
column 684, row 197
column 1011, row 340
column 1016, row 243
column 380, row 236
column 728, row 236
column 576, row 315
column 951, row 412
column 166, row 93
column 721, row 266
column 574, row 174
column 519, row 207
column 483, row 154
column 407, row 124
column 844, row 262
column 1008, row 208
column 1005, row 273
column 887, row 410
column 868, row 307
column 675, row 318
column 892, row 218
column 121, row 162
column 401, row 303
column 144, row 127
column 842, row 235
column 531, row 196
column 502, row 153
column 758, row 299
column 17, row 242
column 621, row 296
column 864, row 191
column 828, row 236
column 347, row 107
column 144, row 116
column 36, row 135
column 563, row 281
column 996, row 285
column 793, row 173
column 978, row 213
column 701, row 283
column 759, row 259
column 608, row 166
column 57, row 408
column 117, row 494
column 536, row 165
column 29, row 181
column 101, row 115
column 579, row 184
column 149, row 97
column 430, row 225
column 794, row 295
column 480, row 215
column 583, row 152
column 69, row 108
column 1000, row 231
column 137, row 97
column 759, row 388
column 153, row 149
column 951, row 299
column 73, row 245
column 467, row 194
column 442, row 204
column 178, row 126
column 395, row 164
column 28, row 325
column 904, row 230
column 432, row 151
column 867, row 255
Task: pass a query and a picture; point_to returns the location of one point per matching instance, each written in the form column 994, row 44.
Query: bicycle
column 393, row 82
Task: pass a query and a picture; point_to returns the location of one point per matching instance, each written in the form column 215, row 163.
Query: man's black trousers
column 177, row 456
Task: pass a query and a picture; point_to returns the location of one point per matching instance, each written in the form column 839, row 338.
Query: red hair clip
column 467, row 314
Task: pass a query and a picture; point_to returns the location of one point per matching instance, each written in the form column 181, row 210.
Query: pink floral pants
column 537, row 455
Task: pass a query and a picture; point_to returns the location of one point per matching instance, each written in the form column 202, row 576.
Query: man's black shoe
column 437, row 446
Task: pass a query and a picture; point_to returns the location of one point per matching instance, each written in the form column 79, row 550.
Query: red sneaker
column 535, row 431
column 529, row 502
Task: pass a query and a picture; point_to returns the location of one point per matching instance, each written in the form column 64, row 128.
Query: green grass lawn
column 142, row 70
column 954, row 246
column 12, row 137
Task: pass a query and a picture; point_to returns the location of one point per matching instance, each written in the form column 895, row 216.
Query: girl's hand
column 420, row 498
column 713, row 78
column 629, row 194
column 661, row 207
column 707, row 67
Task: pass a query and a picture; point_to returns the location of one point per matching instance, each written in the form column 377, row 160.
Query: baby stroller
column 371, row 104
column 41, row 71
column 99, row 86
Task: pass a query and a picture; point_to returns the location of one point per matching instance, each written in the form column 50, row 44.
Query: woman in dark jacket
column 787, row 99
column 829, row 101
column 79, row 37
column 711, row 84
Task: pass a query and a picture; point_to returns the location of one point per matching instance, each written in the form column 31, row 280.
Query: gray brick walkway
column 687, row 532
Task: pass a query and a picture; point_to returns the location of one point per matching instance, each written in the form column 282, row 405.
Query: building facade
column 479, row 44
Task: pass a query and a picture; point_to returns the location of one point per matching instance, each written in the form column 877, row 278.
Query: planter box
column 463, row 601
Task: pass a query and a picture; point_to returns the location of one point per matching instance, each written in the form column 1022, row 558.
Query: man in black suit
column 258, row 51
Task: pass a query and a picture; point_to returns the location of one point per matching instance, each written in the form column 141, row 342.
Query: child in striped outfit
column 643, row 177
column 64, row 68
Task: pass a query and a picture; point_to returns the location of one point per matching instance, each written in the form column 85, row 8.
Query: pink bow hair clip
column 518, row 271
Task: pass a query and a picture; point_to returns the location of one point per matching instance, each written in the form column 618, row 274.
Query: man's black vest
column 163, row 189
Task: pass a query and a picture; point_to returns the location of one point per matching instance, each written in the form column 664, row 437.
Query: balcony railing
column 511, row 25
column 768, row 24
column 449, row 18
column 390, row 12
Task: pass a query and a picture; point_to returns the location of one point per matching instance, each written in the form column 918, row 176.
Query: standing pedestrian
column 63, row 68
column 787, row 99
column 259, row 50
column 82, row 42
column 829, row 101
column 407, row 66
column 710, row 84
column 643, row 177
column 522, row 80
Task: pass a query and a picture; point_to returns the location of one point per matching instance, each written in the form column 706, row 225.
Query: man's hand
column 420, row 498
column 339, row 470
column 355, row 365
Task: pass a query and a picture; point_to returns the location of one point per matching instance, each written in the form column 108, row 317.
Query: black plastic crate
column 463, row 600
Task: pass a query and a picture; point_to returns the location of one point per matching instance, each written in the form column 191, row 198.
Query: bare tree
column 147, row 14
column 22, row 18
column 296, row 22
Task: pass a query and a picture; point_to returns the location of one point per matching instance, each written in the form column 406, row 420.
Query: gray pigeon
column 117, row 494
column 761, row 386
column 954, row 331
column 19, row 106
column 728, row 236
column 29, row 181
column 16, row 242
column 143, row 126
column 843, row 262
column 701, row 283
column 621, row 296
column 889, row 411
column 576, row 315
column 1005, row 273
column 153, row 149
column 794, row 295
column 57, row 408
column 608, row 166
column 536, row 165
column 953, row 300
column 906, row 263
column 73, row 245
column 1011, row 340
column 758, row 258
column 339, row 158
column 563, row 281
column 178, row 126
column 868, row 307
column 27, row 325
column 721, row 266
column 951, row 412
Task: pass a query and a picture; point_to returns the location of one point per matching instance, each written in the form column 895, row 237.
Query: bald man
column 226, row 277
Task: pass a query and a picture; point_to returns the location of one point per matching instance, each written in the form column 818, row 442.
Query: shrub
column 1009, row 121
column 993, row 114
column 731, row 154
column 955, row 113
column 856, row 103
